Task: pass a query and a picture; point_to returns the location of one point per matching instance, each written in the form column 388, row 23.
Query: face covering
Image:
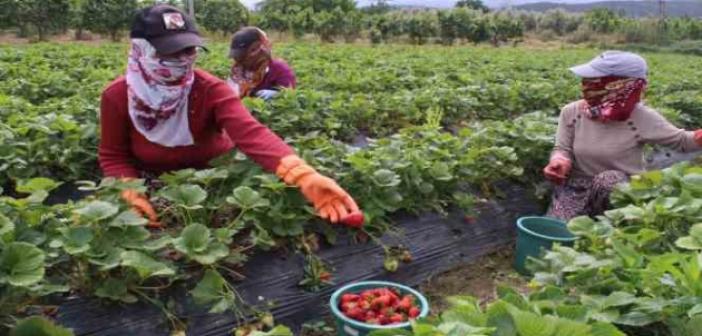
column 157, row 91
column 249, row 71
column 612, row 98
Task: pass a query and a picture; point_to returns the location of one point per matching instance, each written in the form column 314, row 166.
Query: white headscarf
column 158, row 93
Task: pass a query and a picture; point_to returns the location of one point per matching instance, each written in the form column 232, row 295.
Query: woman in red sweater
column 165, row 115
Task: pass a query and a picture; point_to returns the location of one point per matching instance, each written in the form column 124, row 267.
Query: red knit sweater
column 218, row 122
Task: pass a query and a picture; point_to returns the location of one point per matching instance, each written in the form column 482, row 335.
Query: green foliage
column 638, row 264
column 224, row 16
column 472, row 4
column 43, row 16
column 108, row 16
column 513, row 314
column 37, row 326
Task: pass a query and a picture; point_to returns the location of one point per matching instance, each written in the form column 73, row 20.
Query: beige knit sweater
column 595, row 147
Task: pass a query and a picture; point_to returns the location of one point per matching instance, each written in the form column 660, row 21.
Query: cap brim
column 587, row 71
column 174, row 43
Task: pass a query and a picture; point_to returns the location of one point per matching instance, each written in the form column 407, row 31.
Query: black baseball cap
column 167, row 28
column 242, row 40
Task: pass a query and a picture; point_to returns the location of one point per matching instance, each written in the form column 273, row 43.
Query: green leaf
column 145, row 265
column 586, row 226
column 247, row 198
column 194, row 238
column 115, row 290
column 529, row 324
column 618, row 299
column 208, row 175
column 21, row 264
column 7, row 227
column 688, row 243
column 196, row 242
column 386, row 178
column 498, row 316
column 637, row 319
column 696, row 231
column 39, row 326
column 128, row 218
column 76, row 239
column 97, row 210
column 696, row 310
column 37, row 184
column 605, row 329
column 212, row 290
column 186, row 195
column 277, row 331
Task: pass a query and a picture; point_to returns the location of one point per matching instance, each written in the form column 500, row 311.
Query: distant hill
column 631, row 8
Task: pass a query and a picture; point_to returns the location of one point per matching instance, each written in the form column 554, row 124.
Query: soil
column 479, row 279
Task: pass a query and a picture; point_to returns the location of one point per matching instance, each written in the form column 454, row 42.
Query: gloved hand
column 330, row 201
column 558, row 169
column 267, row 94
column 698, row 137
column 142, row 206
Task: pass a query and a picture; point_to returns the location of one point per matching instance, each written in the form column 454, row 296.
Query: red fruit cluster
column 381, row 306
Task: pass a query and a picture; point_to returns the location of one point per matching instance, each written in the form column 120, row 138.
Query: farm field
column 405, row 129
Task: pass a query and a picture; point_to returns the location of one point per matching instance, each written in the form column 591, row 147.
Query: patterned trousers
column 584, row 196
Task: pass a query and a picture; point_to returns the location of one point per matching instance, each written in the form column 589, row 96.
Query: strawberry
column 413, row 312
column 354, row 220
column 347, row 306
column 373, row 321
column 356, row 313
column 405, row 304
column 381, row 302
column 324, row 276
column 397, row 318
column 370, row 315
column 349, row 298
column 383, row 319
column 365, row 305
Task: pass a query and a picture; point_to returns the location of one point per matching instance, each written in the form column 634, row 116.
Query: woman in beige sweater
column 600, row 138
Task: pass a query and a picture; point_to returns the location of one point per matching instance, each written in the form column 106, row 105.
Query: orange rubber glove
column 142, row 206
column 558, row 169
column 698, row 137
column 330, row 201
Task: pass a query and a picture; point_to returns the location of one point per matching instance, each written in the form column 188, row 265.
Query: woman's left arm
column 655, row 129
column 254, row 139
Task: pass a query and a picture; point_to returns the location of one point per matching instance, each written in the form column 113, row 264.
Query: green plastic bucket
column 349, row 327
column 535, row 234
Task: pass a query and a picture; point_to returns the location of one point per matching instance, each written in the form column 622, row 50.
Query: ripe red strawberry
column 354, row 220
column 405, row 304
column 365, row 305
column 356, row 313
column 347, row 306
column 381, row 302
column 350, row 298
column 383, row 319
column 413, row 312
column 397, row 318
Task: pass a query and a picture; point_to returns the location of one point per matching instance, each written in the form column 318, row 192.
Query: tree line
column 332, row 20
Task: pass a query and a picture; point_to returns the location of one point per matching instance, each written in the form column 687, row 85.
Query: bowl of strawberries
column 362, row 307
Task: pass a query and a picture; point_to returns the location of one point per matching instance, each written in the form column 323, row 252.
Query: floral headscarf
column 612, row 98
column 249, row 71
column 158, row 91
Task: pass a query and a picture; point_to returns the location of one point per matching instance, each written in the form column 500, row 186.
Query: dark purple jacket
column 279, row 75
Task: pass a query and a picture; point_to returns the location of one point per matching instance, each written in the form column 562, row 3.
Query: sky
column 447, row 3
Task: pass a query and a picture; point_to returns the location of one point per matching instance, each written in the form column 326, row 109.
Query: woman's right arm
column 114, row 152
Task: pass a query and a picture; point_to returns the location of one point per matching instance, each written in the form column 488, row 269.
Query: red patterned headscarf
column 612, row 98
column 249, row 71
